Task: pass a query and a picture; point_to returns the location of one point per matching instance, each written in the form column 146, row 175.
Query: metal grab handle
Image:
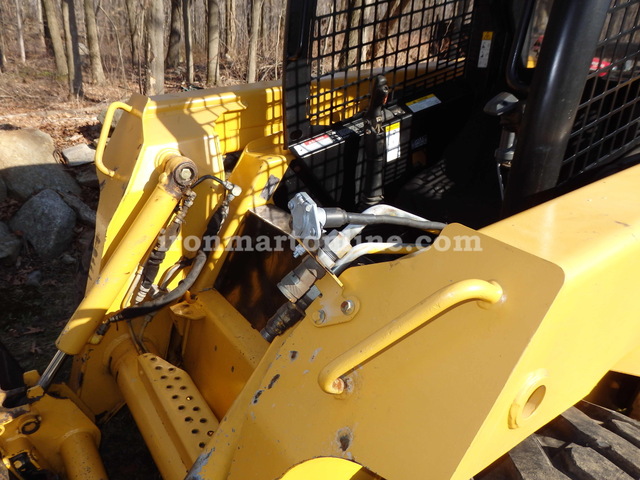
column 447, row 297
column 104, row 133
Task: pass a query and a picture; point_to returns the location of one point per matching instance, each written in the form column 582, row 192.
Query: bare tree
column 135, row 32
column 73, row 49
column 23, row 57
column 230, row 32
column 188, row 39
column 94, row 46
column 155, row 48
column 352, row 50
column 118, row 42
column 40, row 21
column 256, row 15
column 388, row 25
column 174, row 52
column 55, row 30
column 3, row 58
column 213, row 31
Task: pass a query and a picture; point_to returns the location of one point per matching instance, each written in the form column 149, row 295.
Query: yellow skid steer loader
column 417, row 256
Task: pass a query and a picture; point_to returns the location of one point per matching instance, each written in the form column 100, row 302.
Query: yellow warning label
column 487, row 35
column 413, row 102
column 423, row 102
column 393, row 126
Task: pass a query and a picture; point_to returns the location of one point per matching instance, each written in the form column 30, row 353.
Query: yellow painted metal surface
column 91, row 377
column 81, row 458
column 324, row 468
column 221, row 351
column 160, row 440
column 179, row 405
column 203, row 127
column 447, row 297
column 290, row 419
column 113, row 278
column 592, row 234
column 629, row 364
column 54, row 434
column 104, row 134
column 458, row 392
column 259, row 170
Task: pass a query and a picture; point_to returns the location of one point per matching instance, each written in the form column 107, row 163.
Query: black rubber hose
column 375, row 143
column 208, row 177
column 336, row 217
column 152, row 305
column 364, row 219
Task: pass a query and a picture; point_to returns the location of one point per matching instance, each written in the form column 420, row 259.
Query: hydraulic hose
column 336, row 217
column 197, row 265
column 152, row 305
column 375, row 143
column 371, row 248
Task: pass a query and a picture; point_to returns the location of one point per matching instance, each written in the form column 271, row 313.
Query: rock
column 3, row 190
column 74, row 138
column 84, row 212
column 9, row 244
column 27, row 164
column 87, row 176
column 116, row 117
column 68, row 259
column 80, row 154
column 46, row 222
column 33, row 278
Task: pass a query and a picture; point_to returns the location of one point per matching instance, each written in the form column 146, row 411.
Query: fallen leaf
column 35, row 349
column 32, row 330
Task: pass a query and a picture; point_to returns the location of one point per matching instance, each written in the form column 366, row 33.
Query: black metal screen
column 417, row 44
column 606, row 124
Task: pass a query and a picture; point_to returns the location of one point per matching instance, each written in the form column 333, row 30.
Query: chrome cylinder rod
column 51, row 370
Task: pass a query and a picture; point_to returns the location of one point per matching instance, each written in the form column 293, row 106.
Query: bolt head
column 319, row 317
column 186, row 174
column 348, row 307
column 338, row 385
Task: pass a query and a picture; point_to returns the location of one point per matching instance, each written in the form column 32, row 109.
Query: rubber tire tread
column 587, row 442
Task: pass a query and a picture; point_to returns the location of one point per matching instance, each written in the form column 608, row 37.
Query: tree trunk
column 256, row 15
column 387, row 26
column 155, row 48
column 351, row 51
column 57, row 37
column 213, row 30
column 40, row 20
column 133, row 15
column 3, row 58
column 230, row 34
column 188, row 39
column 174, row 52
column 94, row 46
column 73, row 50
column 23, row 57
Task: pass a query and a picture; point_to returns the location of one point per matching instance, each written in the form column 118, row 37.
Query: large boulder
column 46, row 222
column 9, row 244
column 3, row 190
column 27, row 164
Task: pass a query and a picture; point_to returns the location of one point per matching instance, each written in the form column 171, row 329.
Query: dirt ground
column 37, row 297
